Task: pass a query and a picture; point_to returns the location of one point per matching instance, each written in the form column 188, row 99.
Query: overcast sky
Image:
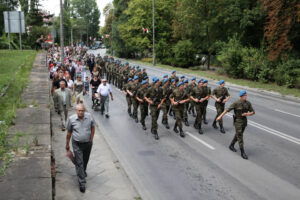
column 53, row 7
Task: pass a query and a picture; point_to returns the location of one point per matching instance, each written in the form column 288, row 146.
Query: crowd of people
column 177, row 96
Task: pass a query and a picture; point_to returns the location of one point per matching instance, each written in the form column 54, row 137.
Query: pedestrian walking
column 81, row 127
column 242, row 109
column 62, row 102
column 104, row 91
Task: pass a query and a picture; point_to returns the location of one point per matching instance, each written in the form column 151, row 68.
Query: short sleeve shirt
column 81, row 129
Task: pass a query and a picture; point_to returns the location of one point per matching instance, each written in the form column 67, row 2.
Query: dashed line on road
column 201, row 141
column 267, row 129
column 287, row 113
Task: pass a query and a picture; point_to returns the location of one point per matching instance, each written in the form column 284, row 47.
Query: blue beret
column 144, row 82
column 130, row 79
column 173, row 80
column 193, row 78
column 137, row 67
column 179, row 84
column 135, row 78
column 146, row 77
column 165, row 80
column 138, row 70
column 166, row 76
column 242, row 93
column 155, row 80
column 173, row 71
column 186, row 80
column 144, row 69
column 126, row 63
column 221, row 82
column 200, row 80
column 181, row 77
column 205, row 81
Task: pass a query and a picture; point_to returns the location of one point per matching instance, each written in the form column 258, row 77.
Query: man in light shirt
column 103, row 92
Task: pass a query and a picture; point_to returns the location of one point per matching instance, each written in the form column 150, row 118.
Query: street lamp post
column 61, row 34
column 153, row 21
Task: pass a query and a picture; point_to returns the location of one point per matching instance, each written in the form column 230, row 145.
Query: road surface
column 202, row 166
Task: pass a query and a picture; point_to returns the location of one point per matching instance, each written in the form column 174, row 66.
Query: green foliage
column 184, row 53
column 288, row 73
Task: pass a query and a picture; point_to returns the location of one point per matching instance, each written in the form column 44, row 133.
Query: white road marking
column 287, row 113
column 201, row 141
column 267, row 129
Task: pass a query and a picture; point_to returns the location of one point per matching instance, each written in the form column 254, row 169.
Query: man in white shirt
column 103, row 92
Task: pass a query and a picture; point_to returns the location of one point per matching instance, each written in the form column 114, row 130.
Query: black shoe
column 107, row 116
column 196, row 126
column 182, row 133
column 155, row 135
column 244, row 156
column 144, row 127
column 189, row 111
column 174, row 117
column 231, row 147
column 175, row 129
column 186, row 123
column 171, row 114
column 82, row 189
column 136, row 120
column 215, row 125
column 167, row 126
column 200, row 131
column 222, row 130
column 205, row 121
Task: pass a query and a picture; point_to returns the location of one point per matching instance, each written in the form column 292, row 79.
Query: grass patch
column 14, row 70
column 218, row 75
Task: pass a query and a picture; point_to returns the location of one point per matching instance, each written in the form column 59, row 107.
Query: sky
column 53, row 7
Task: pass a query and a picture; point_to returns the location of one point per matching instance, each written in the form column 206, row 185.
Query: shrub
column 288, row 73
column 184, row 53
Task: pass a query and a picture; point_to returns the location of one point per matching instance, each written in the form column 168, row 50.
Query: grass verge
column 242, row 82
column 14, row 72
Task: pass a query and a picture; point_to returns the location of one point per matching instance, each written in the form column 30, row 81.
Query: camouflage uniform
column 207, row 92
column 140, row 94
column 166, row 105
column 240, row 122
column 133, row 87
column 223, row 94
column 198, row 93
column 156, row 95
column 178, row 109
column 192, row 103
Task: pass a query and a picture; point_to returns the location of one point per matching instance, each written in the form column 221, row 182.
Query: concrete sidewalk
column 106, row 179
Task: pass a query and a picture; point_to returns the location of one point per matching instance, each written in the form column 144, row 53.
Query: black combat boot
column 200, row 129
column 243, row 154
column 231, row 147
column 182, row 133
column 215, row 124
column 175, row 128
column 155, row 134
column 171, row 113
column 222, row 130
column 196, row 125
column 167, row 125
column 186, row 122
column 144, row 126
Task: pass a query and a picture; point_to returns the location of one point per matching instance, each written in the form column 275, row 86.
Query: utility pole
column 153, row 21
column 61, row 34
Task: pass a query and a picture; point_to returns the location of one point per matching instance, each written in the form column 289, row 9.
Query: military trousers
column 165, row 108
column 135, row 106
column 129, row 103
column 220, row 109
column 178, row 110
column 185, row 111
column 205, row 103
column 143, row 112
column 154, row 116
column 200, row 111
column 240, row 126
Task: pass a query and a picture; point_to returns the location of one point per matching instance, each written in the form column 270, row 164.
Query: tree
column 282, row 16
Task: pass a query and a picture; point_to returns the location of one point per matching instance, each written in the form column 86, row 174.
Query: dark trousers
column 82, row 153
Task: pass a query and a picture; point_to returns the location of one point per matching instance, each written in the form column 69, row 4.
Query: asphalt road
column 202, row 166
